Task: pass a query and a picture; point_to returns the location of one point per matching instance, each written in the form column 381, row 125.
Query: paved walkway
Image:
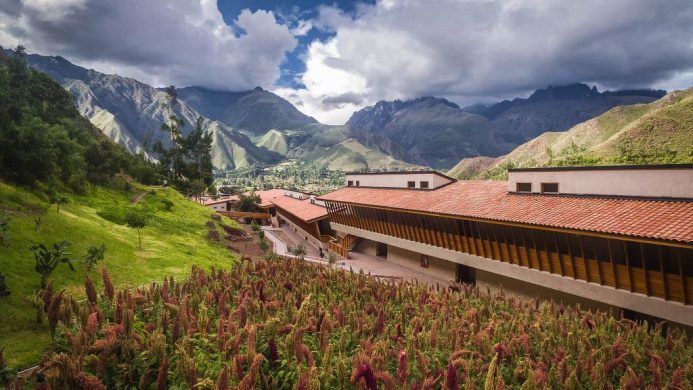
column 357, row 262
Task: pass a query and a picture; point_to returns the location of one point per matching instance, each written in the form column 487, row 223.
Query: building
column 607, row 237
column 306, row 216
column 221, row 204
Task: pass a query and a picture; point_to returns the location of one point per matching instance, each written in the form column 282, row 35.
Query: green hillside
column 172, row 242
column 655, row 133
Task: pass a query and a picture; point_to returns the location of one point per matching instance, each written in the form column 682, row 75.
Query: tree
column 331, row 258
column 137, row 220
column 248, row 202
column 4, row 227
column 94, row 255
column 58, row 200
column 47, row 260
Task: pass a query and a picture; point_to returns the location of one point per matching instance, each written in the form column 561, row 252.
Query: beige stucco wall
column 438, row 268
column 312, row 240
column 658, row 183
column 555, row 285
column 391, row 180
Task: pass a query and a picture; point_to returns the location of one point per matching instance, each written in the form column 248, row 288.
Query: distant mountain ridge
column 249, row 128
column 657, row 132
column 436, row 132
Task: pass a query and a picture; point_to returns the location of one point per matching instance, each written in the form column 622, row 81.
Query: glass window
column 350, row 183
column 423, row 184
column 524, row 187
column 411, row 184
column 549, row 188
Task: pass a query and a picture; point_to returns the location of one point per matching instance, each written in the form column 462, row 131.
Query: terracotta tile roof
column 267, row 196
column 302, row 209
column 654, row 219
column 220, row 200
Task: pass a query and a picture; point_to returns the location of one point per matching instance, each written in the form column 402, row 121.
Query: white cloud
column 474, row 50
column 170, row 41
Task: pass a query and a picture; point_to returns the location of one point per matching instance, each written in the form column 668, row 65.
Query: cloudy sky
column 331, row 58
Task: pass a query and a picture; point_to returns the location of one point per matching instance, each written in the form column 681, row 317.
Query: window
column 350, row 183
column 358, row 183
column 381, row 249
column 423, row 184
column 411, row 184
column 549, row 188
column 524, row 187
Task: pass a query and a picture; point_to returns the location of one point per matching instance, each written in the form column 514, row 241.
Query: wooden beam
column 584, row 260
column 613, row 265
column 536, row 252
column 570, row 254
column 662, row 273
column 558, row 253
column 596, row 258
column 630, row 272
column 644, row 270
column 684, row 285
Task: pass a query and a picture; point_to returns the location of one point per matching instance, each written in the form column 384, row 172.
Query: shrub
column 47, row 260
column 4, row 228
column 167, row 204
column 261, row 235
column 4, row 289
column 300, row 251
column 94, row 255
column 255, row 226
column 263, row 245
column 331, row 258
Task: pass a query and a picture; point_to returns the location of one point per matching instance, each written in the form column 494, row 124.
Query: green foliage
column 137, row 220
column 331, row 258
column 261, row 234
column 93, row 256
column 48, row 259
column 248, row 202
column 294, row 175
column 4, row 230
column 300, row 251
column 326, row 328
column 45, row 140
column 4, row 289
column 255, row 226
column 167, row 204
column 263, row 244
column 185, row 161
column 58, row 201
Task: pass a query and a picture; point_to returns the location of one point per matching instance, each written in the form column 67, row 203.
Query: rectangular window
column 424, row 261
column 549, row 188
column 423, row 184
column 524, row 187
column 358, row 183
column 350, row 183
column 411, row 184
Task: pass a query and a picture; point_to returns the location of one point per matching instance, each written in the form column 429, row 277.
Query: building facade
column 615, row 241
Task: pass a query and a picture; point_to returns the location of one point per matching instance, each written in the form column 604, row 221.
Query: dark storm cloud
column 179, row 41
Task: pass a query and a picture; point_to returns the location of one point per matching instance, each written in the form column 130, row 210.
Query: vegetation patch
column 288, row 324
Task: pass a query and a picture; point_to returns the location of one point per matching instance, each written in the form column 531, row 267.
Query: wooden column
column 644, row 270
column 684, row 285
column 662, row 273
column 630, row 272
column 613, row 265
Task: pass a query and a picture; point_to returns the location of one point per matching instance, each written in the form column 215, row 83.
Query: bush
column 94, row 255
column 263, row 245
column 255, row 226
column 261, row 235
column 167, row 204
column 4, row 289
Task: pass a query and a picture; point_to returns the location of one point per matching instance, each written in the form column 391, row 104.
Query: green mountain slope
column 172, row 241
column 657, row 132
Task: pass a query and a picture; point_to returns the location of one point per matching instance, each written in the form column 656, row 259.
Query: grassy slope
column 172, row 241
column 658, row 132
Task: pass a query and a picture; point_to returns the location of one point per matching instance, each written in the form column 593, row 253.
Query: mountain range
column 258, row 128
column 438, row 133
column 654, row 133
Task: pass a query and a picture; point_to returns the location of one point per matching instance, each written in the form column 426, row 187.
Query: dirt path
column 138, row 197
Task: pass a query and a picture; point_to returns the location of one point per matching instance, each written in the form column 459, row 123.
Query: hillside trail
column 137, row 197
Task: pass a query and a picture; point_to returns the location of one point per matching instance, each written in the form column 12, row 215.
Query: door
column 465, row 274
column 381, row 249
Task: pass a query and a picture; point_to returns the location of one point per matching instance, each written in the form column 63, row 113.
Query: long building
column 615, row 238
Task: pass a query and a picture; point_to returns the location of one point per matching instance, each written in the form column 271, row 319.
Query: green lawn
column 172, row 241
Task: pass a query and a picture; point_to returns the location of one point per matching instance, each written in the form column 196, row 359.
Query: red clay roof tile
column 665, row 220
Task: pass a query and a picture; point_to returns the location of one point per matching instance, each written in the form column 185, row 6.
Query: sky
column 331, row 58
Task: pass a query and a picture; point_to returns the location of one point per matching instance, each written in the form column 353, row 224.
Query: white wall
column 657, row 183
column 396, row 180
